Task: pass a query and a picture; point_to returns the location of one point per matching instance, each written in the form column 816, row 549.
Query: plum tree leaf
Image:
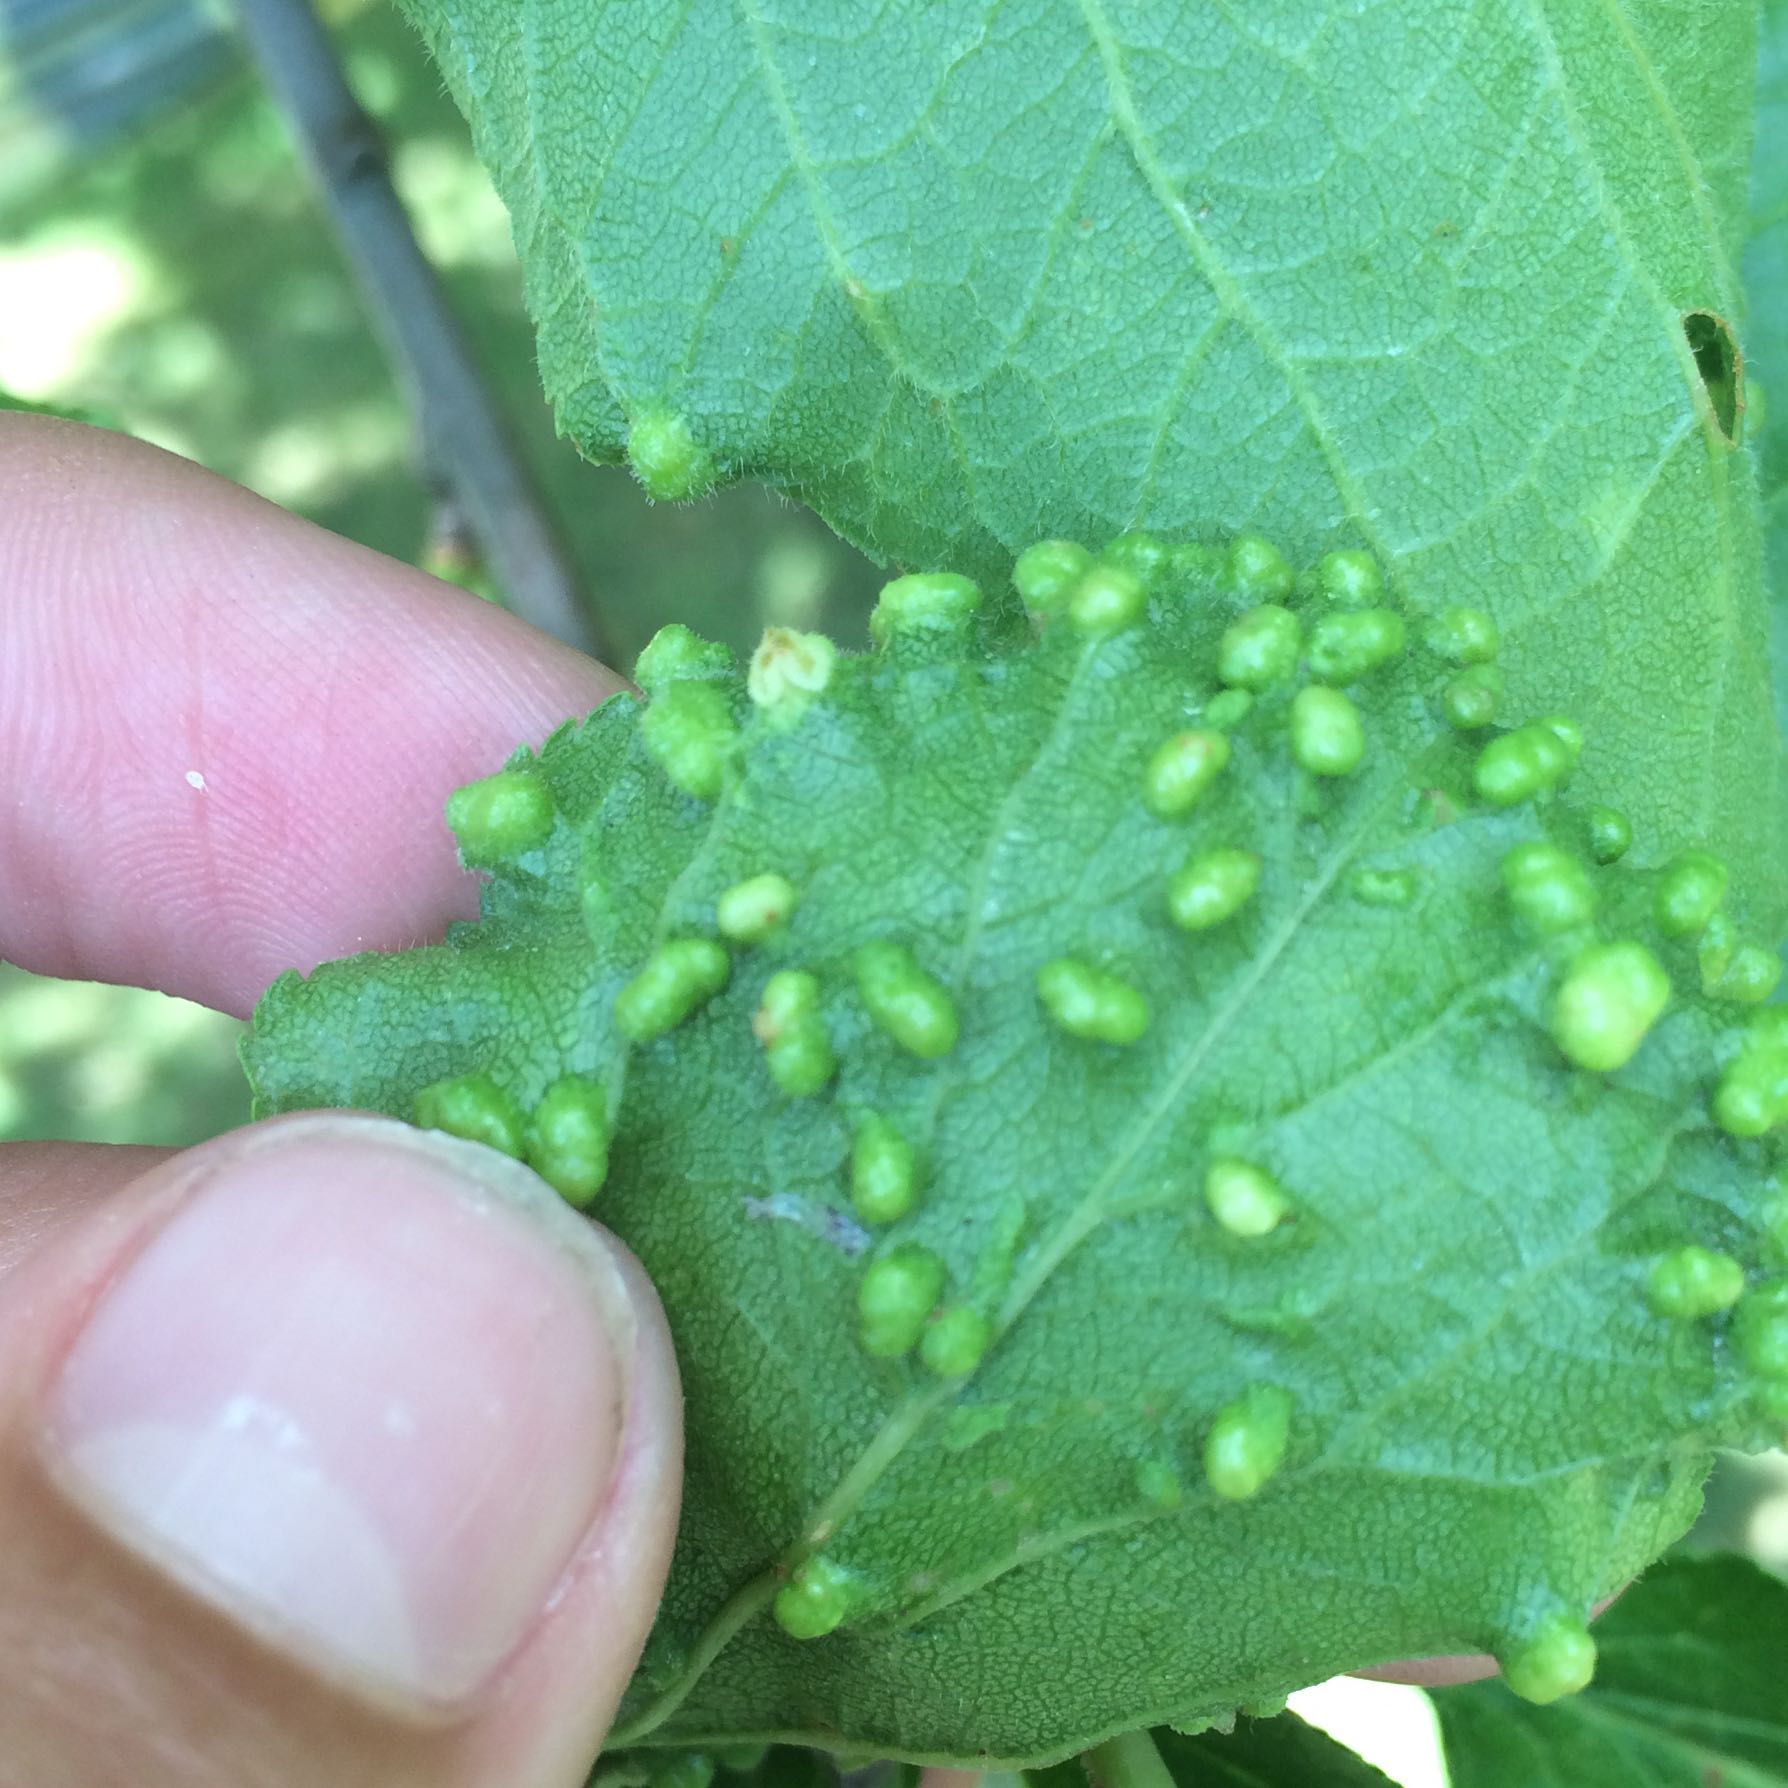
column 1766, row 296
column 1279, row 1753
column 1688, row 1693
column 1175, row 1167
column 963, row 274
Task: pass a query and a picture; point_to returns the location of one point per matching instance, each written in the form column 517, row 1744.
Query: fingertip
column 233, row 732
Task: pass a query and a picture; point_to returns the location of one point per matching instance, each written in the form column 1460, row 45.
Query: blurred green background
column 164, row 267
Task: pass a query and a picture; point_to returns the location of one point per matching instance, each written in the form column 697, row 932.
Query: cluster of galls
column 1325, row 632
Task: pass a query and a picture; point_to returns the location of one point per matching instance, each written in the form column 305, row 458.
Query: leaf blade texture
column 1181, row 1457
column 1406, row 277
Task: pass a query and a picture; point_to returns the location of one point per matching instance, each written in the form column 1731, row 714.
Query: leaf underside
column 964, row 274
column 1490, row 1423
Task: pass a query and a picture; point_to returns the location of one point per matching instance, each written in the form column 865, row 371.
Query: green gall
column 1087, row 1002
column 1610, row 833
column 1245, row 1199
column 568, row 1136
column 756, row 908
column 1212, row 886
column 905, row 1002
column 1751, row 1098
column 955, row 1341
column 1147, row 557
column 1107, row 600
column 1762, row 1331
column 1346, row 647
column 814, row 1601
column 1350, row 578
column 797, row 1048
column 1227, row 709
column 1471, row 700
column 1268, row 1708
column 1046, row 574
column 501, row 816
column 1247, row 1442
column 884, row 1171
column 788, row 670
column 1751, row 976
column 923, row 602
column 1258, row 570
column 678, row 977
column 1548, row 888
column 474, row 1107
column 1384, row 887
column 1328, row 737
column 1689, row 893
column 1692, row 1282
column 690, row 732
column 1182, row 771
column 1609, row 1000
column 675, row 654
column 1529, row 761
column 671, row 465
column 1260, row 648
column 895, row 1298
column 1464, row 636
column 1557, row 1659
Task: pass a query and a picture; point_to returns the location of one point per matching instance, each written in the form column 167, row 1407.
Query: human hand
column 330, row 1453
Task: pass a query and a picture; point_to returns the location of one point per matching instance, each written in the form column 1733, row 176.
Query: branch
column 465, row 440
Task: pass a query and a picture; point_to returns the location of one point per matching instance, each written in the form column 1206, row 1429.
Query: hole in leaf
column 1721, row 364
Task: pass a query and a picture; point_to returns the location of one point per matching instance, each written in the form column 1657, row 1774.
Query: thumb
column 330, row 1453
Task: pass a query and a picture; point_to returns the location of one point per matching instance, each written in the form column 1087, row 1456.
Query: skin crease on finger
column 256, row 723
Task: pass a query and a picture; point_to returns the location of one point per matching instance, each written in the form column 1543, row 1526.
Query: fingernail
column 364, row 1393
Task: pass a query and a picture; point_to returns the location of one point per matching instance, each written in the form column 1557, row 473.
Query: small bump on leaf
column 678, row 977
column 814, row 1601
column 1247, row 1442
column 884, row 1171
column 1609, row 1000
column 1692, row 1282
column 1212, row 886
column 895, row 1297
column 474, row 1107
column 1260, row 648
column 568, row 1138
column 1327, row 736
column 1047, row 572
column 909, row 1005
column 923, row 602
column 501, row 816
column 1087, row 1002
column 1258, row 570
column 1689, row 893
column 1182, row 771
column 1245, row 1199
column 955, row 1341
column 666, row 458
column 756, row 908
column 1557, row 1659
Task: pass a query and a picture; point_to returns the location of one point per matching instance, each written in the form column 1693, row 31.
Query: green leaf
column 1412, row 277
column 1689, row 1692
column 1279, row 1753
column 1766, row 297
column 1175, row 1458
